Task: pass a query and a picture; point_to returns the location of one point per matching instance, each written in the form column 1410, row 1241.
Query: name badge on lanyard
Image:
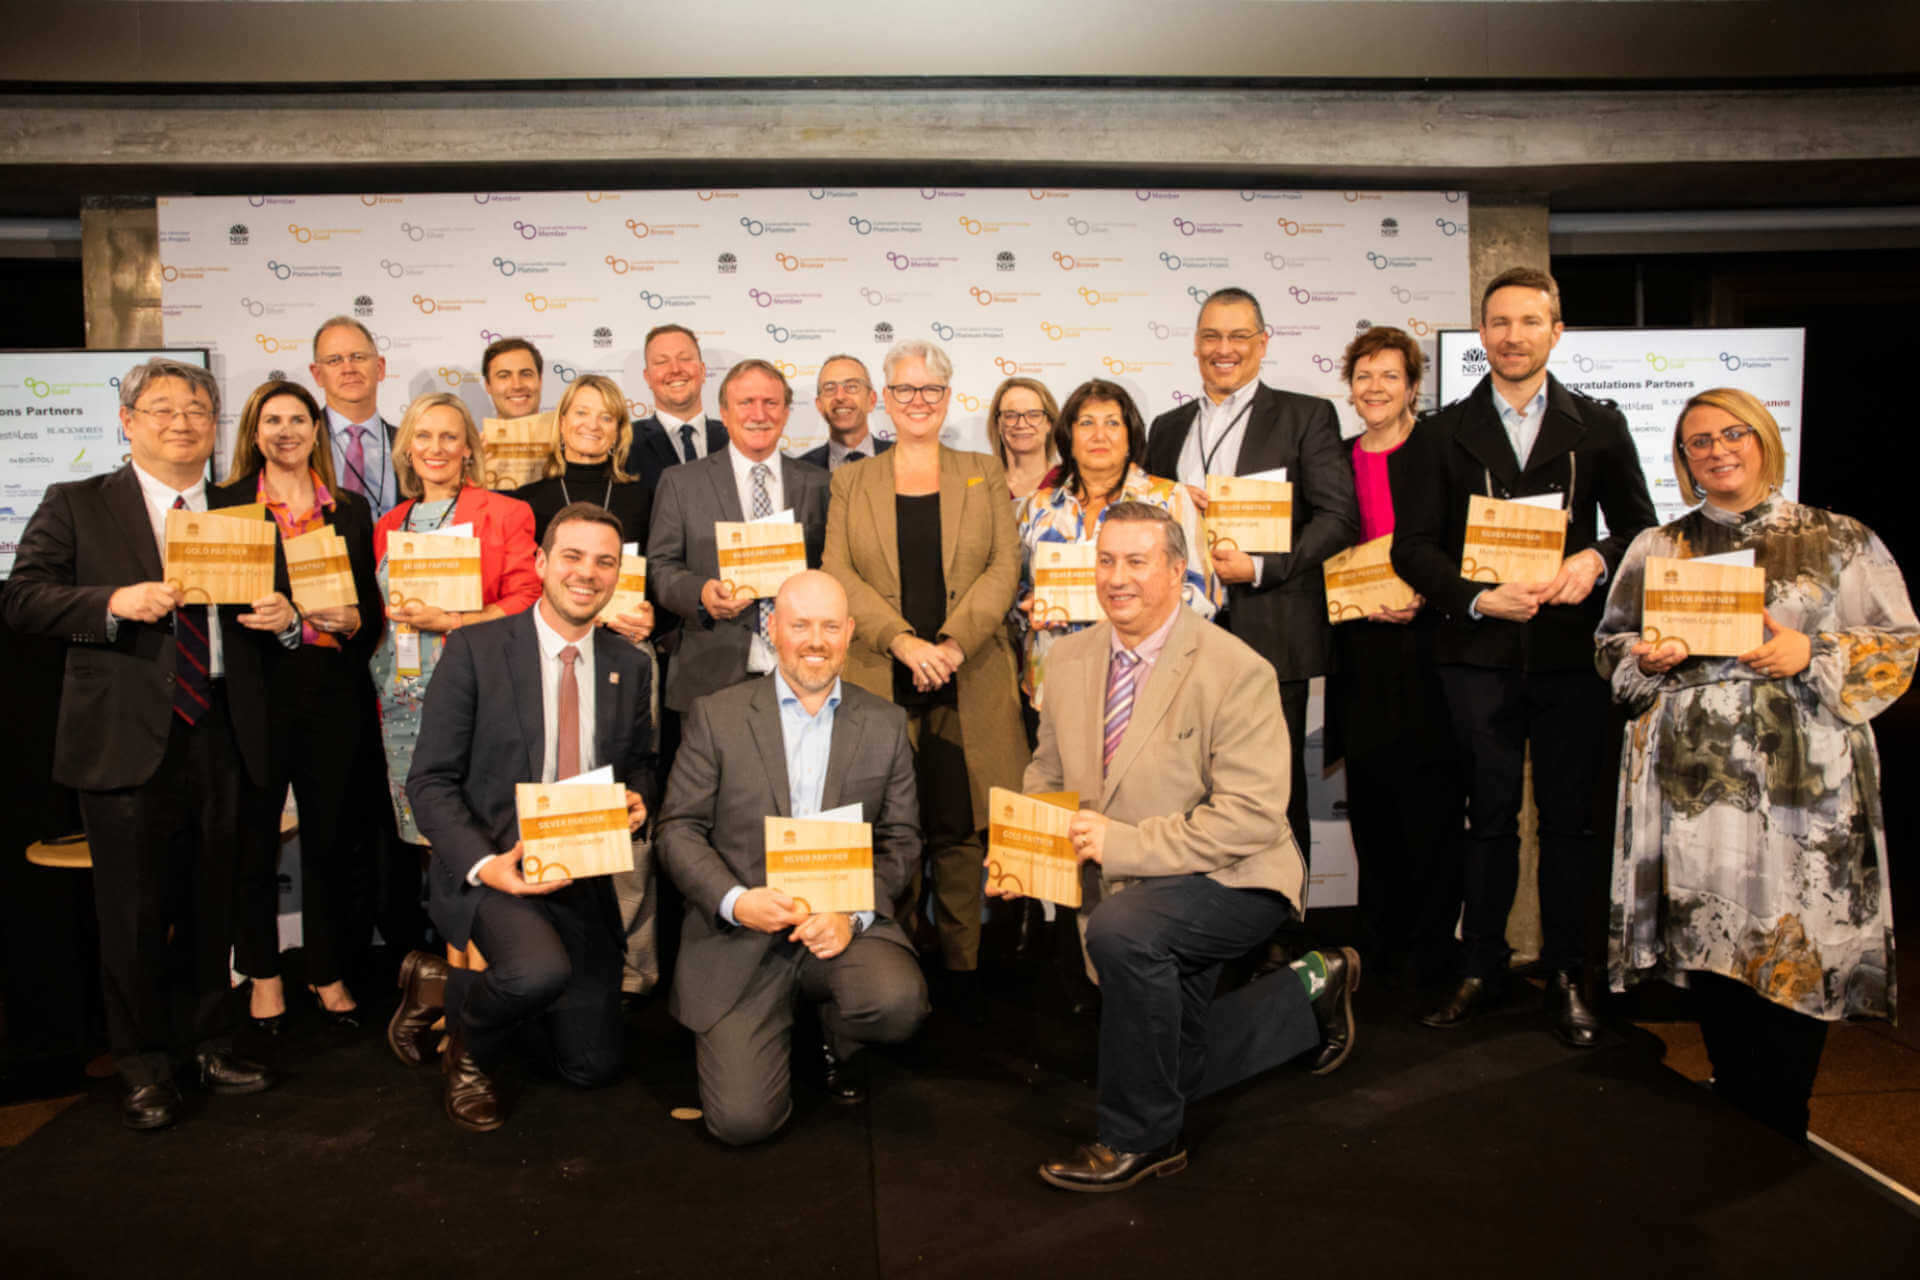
column 406, row 650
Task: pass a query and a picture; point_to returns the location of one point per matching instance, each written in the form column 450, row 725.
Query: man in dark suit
column 844, row 396
column 1515, row 659
column 348, row 368
column 537, row 697
column 795, row 743
column 723, row 640
column 677, row 430
column 1275, row 602
column 162, row 731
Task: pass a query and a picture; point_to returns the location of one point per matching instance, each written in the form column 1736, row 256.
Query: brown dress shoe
column 423, row 998
column 1098, row 1167
column 473, row 1100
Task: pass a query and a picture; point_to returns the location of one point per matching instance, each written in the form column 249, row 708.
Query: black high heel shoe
column 347, row 1019
column 271, row 1025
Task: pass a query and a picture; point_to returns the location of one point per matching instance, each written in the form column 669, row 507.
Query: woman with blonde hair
column 1749, row 859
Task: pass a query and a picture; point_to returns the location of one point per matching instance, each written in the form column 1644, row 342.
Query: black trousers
column 165, row 859
column 1764, row 1056
column 1164, row 1040
column 1497, row 713
column 553, row 969
column 1293, row 707
column 317, row 731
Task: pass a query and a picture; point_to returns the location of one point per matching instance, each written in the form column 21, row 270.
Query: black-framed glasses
column 1701, row 446
column 852, row 386
column 931, row 394
column 1032, row 417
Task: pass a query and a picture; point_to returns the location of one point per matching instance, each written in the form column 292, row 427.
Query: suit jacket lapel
column 763, row 722
column 880, row 507
column 953, row 501
column 1151, row 703
column 1260, row 415
column 522, row 650
column 1561, row 428
column 607, row 693
column 848, row 724
column 720, row 473
column 1484, row 436
column 129, row 507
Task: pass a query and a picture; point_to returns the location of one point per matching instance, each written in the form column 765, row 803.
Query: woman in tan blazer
column 923, row 540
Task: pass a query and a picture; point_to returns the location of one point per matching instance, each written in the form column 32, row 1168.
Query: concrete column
column 120, row 272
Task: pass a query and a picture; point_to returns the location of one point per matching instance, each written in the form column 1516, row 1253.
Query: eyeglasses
column 1032, row 417
column 1238, row 338
column 852, row 386
column 1701, row 446
column 907, row 395
column 356, row 359
column 168, row 415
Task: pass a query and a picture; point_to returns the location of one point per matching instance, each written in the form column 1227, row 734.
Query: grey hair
column 141, row 376
column 343, row 322
column 1230, row 294
column 918, row 349
column 1147, row 513
column 840, row 356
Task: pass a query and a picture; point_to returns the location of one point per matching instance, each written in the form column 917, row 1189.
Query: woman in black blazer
column 318, row 698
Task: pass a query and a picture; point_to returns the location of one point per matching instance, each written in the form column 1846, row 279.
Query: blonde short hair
column 1746, row 408
column 403, row 471
column 615, row 400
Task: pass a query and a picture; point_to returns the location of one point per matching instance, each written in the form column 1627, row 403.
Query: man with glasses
column 844, row 396
column 162, row 731
column 1276, row 602
column 724, row 640
column 348, row 368
column 677, row 430
column 1515, row 659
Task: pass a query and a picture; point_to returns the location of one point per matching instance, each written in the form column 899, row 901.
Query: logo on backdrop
column 237, row 233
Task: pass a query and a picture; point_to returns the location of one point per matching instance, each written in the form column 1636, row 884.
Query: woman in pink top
column 1404, row 802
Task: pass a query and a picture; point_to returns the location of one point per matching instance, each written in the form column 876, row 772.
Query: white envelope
column 1550, row 501
column 629, row 548
column 603, row 774
column 1277, row 475
column 845, row 813
column 783, row 516
column 1742, row 558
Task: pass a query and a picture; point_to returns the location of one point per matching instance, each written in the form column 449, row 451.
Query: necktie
column 686, row 443
column 762, row 507
column 193, row 656
column 357, row 459
column 566, row 752
column 1120, row 675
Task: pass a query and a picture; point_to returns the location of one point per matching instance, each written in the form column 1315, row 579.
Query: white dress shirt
column 160, row 495
column 551, row 669
column 671, row 425
column 1219, row 430
column 760, row 659
column 1522, row 424
column 381, row 485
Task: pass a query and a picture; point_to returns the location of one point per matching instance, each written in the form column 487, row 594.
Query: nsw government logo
column 728, row 264
column 603, row 337
column 883, row 333
column 1389, row 228
column 238, row 233
column 1473, row 360
column 1003, row 260
column 363, row 306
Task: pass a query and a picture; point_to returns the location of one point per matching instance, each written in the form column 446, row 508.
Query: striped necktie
column 192, row 658
column 762, row 508
column 1120, row 676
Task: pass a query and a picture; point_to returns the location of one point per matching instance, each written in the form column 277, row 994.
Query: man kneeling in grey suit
column 795, row 742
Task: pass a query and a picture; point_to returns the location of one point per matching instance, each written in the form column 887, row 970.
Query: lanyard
column 606, row 500
column 407, row 523
column 1207, row 455
column 379, row 492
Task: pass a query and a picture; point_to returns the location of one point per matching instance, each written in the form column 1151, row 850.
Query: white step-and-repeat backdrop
column 1057, row 284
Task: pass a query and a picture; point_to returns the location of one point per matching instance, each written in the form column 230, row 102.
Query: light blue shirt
column 1523, row 424
column 381, row 486
column 808, row 739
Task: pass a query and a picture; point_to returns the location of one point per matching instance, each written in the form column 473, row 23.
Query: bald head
column 811, row 631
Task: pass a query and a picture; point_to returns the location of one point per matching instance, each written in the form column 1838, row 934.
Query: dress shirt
column 671, row 425
column 808, row 739
column 382, row 486
column 1523, row 424
column 1147, row 653
column 759, row 653
column 839, row 454
column 160, row 495
column 1223, row 427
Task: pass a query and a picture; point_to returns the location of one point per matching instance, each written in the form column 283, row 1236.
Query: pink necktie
column 1120, row 674
column 566, row 754
column 357, row 460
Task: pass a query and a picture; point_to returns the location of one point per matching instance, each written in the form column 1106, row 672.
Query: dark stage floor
column 1489, row 1151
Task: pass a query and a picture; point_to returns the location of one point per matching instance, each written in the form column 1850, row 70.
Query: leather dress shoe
column 221, row 1072
column 1473, row 997
column 839, row 1078
column 473, row 1100
column 1098, row 1167
column 1333, row 1009
column 150, row 1106
column 423, row 998
column 1573, row 1019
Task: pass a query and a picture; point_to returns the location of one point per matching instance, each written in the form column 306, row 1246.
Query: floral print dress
column 1749, row 839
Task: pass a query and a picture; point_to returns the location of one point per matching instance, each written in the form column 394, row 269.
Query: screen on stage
column 60, row 420
column 1650, row 374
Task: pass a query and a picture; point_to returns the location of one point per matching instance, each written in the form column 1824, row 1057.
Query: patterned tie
column 193, row 656
column 566, row 753
column 357, row 459
column 686, row 443
column 1120, row 674
column 762, row 507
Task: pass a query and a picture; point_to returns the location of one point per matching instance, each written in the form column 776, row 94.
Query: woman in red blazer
column 436, row 457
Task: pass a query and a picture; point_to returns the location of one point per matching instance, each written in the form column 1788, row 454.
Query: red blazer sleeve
column 505, row 527
column 385, row 525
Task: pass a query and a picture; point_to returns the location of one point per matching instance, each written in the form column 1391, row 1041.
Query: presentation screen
column 60, row 420
column 1650, row 374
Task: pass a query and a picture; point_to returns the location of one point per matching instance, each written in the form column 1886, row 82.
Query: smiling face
column 514, row 384
column 1379, row 389
column 285, row 433
column 755, row 410
column 170, row 431
column 1023, row 422
column 578, row 575
column 1100, row 439
column 1733, row 476
column 348, row 371
column 1230, row 343
column 915, row 417
column 1518, row 331
column 439, row 449
column 590, row 428
column 676, row 374
column 1137, row 581
column 811, row 631
column 845, row 399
